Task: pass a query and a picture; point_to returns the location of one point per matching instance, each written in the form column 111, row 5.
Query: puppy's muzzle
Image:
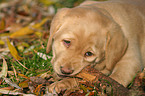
column 66, row 70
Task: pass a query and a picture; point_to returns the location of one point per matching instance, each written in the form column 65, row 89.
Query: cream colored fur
column 114, row 31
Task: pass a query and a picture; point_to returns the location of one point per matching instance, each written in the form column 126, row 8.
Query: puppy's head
column 78, row 38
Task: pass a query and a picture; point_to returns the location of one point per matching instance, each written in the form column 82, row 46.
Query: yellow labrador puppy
column 109, row 35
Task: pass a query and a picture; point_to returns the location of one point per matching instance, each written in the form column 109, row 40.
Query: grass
column 35, row 64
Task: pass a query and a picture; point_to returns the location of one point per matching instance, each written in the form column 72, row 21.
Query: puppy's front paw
column 106, row 72
column 65, row 84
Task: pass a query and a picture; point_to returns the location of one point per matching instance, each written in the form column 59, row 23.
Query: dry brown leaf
column 38, row 80
column 1, row 81
column 37, row 90
column 8, row 88
column 2, row 24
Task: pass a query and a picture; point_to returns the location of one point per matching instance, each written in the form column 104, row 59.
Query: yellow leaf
column 47, row 2
column 4, row 69
column 28, row 29
column 39, row 34
column 2, row 24
column 13, row 50
column 2, row 42
column 23, row 31
column 5, row 34
column 24, row 84
column 22, row 75
column 21, row 46
column 25, row 44
column 40, row 24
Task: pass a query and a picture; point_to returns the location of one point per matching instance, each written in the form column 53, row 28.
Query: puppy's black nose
column 66, row 70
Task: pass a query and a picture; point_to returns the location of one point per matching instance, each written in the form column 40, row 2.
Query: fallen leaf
column 4, row 53
column 47, row 2
column 21, row 45
column 2, row 42
column 25, row 44
column 37, row 90
column 20, row 48
column 22, row 75
column 39, row 34
column 38, row 80
column 8, row 88
column 4, row 49
column 45, row 75
column 15, row 72
column 50, row 94
column 90, row 93
column 43, row 56
column 5, row 34
column 13, row 50
column 28, row 29
column 2, row 24
column 1, row 81
column 10, row 72
column 9, row 92
column 8, row 81
column 29, row 49
column 29, row 95
column 4, row 69
column 24, row 84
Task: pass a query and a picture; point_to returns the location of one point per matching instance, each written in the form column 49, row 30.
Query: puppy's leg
column 67, row 83
column 127, row 67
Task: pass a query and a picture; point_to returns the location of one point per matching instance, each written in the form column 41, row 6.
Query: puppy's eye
column 66, row 43
column 88, row 53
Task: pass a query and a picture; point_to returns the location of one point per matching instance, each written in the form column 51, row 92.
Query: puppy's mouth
column 64, row 72
column 65, row 75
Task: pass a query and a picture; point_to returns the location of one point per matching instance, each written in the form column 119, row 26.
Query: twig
column 21, row 64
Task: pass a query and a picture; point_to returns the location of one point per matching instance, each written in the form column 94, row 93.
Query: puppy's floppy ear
column 55, row 25
column 116, row 46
